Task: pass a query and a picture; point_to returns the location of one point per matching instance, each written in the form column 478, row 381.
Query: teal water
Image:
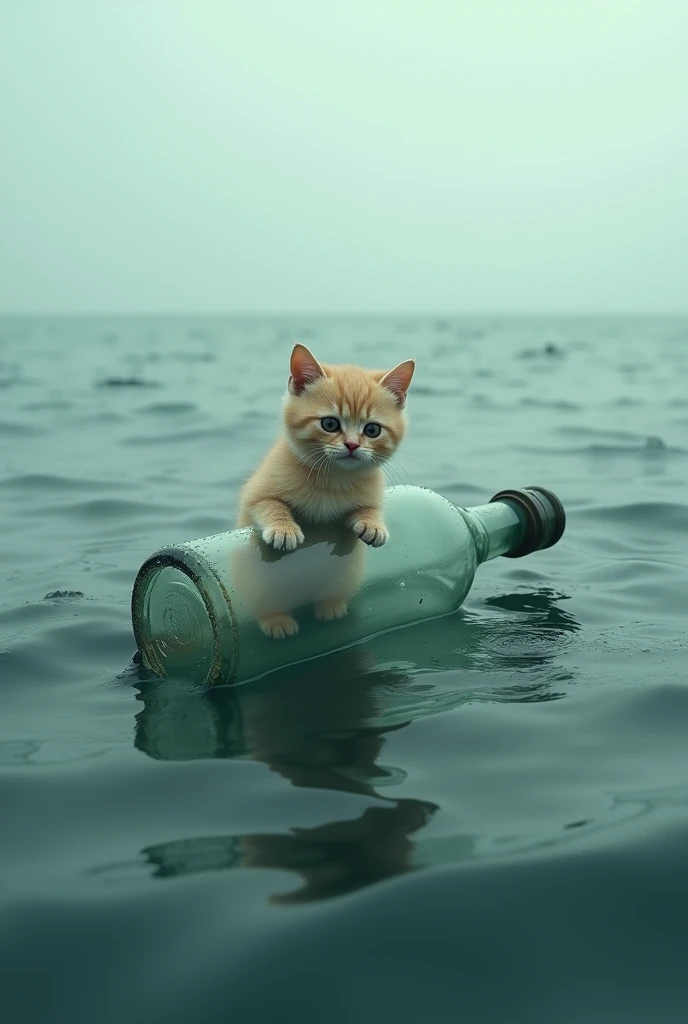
column 490, row 826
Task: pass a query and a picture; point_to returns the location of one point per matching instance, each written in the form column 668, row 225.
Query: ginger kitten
column 341, row 423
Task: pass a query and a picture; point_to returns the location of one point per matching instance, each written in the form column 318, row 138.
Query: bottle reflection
column 543, row 606
column 315, row 729
column 322, row 725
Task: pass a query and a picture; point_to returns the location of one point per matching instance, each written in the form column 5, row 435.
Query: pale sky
column 363, row 156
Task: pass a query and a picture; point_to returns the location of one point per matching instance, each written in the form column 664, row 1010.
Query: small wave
column 48, row 482
column 19, row 429
column 105, row 509
column 169, row 408
column 435, row 392
column 205, row 526
column 550, row 350
column 127, row 382
column 192, row 357
column 205, row 434
column 580, row 430
column 653, row 448
column 54, row 405
column 655, row 516
column 543, row 403
column 625, row 401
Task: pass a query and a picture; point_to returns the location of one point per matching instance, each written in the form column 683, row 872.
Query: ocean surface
column 494, row 831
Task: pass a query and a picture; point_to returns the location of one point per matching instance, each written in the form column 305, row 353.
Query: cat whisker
column 402, row 482
column 412, row 455
column 307, row 462
column 324, row 463
column 391, row 474
column 399, row 469
column 388, row 469
column 318, row 464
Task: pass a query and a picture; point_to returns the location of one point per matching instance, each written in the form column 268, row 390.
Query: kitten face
column 344, row 418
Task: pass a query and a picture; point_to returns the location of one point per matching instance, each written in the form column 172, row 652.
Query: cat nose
column 351, row 445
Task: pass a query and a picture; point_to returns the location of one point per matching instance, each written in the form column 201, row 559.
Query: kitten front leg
column 276, row 524
column 368, row 524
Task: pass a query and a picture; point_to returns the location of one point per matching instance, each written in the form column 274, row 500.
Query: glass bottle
column 196, row 606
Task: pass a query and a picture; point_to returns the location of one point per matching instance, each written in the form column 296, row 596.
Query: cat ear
column 305, row 369
column 398, row 380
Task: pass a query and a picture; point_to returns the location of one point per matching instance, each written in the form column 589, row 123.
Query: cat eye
column 330, row 424
column 372, row 430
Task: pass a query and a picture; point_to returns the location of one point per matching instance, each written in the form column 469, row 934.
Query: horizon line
column 436, row 314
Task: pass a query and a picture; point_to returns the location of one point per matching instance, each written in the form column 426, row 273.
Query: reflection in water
column 312, row 728
column 543, row 603
column 549, row 628
column 331, row 859
column 322, row 725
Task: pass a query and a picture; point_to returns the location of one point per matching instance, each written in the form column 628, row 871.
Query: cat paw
column 330, row 608
column 286, row 539
column 279, row 626
column 374, row 534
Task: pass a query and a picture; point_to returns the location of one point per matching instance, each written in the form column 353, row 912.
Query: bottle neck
column 497, row 528
column 516, row 523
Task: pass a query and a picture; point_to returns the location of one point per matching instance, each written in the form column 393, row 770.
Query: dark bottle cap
column 544, row 516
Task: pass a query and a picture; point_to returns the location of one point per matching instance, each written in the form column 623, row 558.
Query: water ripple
column 485, row 789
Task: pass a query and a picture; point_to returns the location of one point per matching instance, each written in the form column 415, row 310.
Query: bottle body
column 197, row 607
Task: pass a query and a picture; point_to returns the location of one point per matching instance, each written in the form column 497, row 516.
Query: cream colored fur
column 315, row 476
